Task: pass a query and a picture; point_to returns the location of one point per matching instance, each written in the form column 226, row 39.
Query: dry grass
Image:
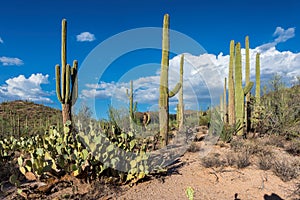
column 293, row 148
column 285, row 168
column 193, row 147
column 274, row 140
column 243, row 159
column 212, row 160
column 230, row 159
column 265, row 160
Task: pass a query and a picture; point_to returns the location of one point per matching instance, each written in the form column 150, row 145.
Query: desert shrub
column 253, row 147
column 243, row 159
column 212, row 160
column 230, row 159
column 265, row 160
column 293, row 148
column 204, row 118
column 285, row 169
column 219, row 128
column 274, row 140
column 280, row 109
column 296, row 193
column 193, row 147
column 192, row 120
column 236, row 144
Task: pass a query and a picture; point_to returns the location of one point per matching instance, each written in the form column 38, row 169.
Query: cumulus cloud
column 85, row 37
column 145, row 90
column 204, row 75
column 7, row 61
column 26, row 88
column 280, row 35
column 1, row 41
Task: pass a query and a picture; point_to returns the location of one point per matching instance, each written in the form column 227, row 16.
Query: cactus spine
column 231, row 95
column 132, row 106
column 180, row 107
column 239, row 93
column 66, row 81
column 257, row 76
column 164, row 93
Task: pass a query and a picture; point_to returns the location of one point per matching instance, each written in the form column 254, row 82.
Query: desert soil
column 249, row 183
column 212, row 183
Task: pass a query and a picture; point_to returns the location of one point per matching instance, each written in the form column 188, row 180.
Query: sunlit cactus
column 66, row 79
column 257, row 76
column 231, row 95
column 225, row 109
column 239, row 93
column 132, row 106
column 164, row 93
column 180, row 107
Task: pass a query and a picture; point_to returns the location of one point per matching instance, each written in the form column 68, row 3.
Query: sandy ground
column 213, row 183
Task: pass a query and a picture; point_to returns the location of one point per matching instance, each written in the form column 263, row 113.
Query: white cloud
column 283, row 35
column 85, row 37
column 280, row 35
column 26, row 88
column 1, row 41
column 7, row 61
column 204, row 75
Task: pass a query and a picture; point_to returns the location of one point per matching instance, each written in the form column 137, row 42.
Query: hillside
column 23, row 117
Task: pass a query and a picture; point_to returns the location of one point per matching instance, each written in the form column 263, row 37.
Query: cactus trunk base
column 164, row 125
column 66, row 112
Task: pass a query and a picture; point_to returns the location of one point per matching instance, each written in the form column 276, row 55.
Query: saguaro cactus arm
column 248, row 87
column 74, row 79
column 175, row 90
column 58, row 88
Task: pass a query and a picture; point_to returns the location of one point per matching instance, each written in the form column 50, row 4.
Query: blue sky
column 30, row 45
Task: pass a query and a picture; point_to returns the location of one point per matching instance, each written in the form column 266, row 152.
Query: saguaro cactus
column 240, row 92
column 222, row 106
column 225, row 102
column 247, row 81
column 164, row 93
column 180, row 107
column 132, row 106
column 257, row 76
column 66, row 81
column 231, row 95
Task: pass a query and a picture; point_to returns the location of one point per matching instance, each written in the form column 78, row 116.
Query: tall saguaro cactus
column 225, row 102
column 132, row 106
column 66, row 80
column 239, row 93
column 257, row 76
column 180, row 107
column 164, row 93
column 247, row 81
column 231, row 95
